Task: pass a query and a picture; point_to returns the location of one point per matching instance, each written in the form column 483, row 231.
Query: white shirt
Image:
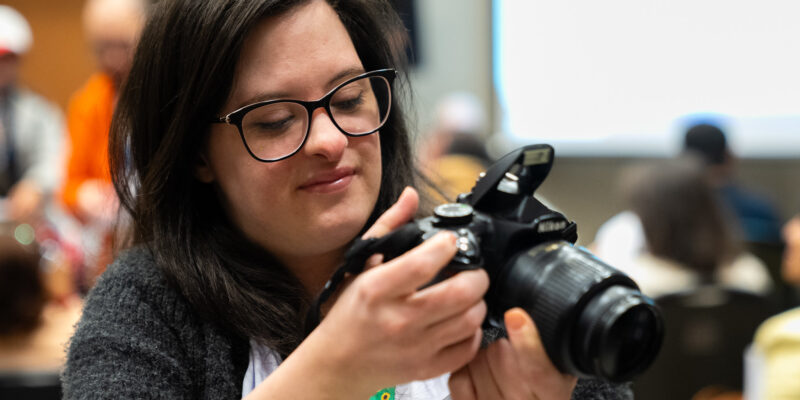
column 264, row 360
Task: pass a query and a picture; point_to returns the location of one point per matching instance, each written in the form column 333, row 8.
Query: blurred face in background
column 112, row 28
column 9, row 69
column 15, row 40
column 791, row 256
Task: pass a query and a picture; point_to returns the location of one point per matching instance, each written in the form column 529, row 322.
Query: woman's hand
column 383, row 330
column 513, row 368
column 25, row 202
column 97, row 202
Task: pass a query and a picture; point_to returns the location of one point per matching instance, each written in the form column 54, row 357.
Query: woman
column 676, row 235
column 243, row 205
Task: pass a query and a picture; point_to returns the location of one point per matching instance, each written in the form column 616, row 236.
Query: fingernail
column 514, row 320
column 451, row 237
column 444, row 238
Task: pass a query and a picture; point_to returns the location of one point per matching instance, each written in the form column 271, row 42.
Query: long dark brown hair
column 181, row 75
column 682, row 217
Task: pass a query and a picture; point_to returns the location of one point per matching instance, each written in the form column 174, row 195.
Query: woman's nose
column 324, row 138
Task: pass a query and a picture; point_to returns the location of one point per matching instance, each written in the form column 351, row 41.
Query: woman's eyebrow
column 336, row 79
column 346, row 73
column 265, row 96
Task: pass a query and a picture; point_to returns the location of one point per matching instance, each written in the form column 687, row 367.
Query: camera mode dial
column 451, row 214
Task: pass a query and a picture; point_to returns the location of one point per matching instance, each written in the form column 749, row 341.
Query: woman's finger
column 405, row 274
column 546, row 381
column 373, row 261
column 483, row 378
column 456, row 355
column 451, row 296
column 458, row 327
column 460, row 385
column 398, row 214
column 525, row 340
column 505, row 368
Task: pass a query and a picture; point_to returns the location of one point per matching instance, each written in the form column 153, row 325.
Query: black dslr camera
column 592, row 319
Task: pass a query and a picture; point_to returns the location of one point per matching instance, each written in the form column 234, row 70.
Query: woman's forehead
column 294, row 55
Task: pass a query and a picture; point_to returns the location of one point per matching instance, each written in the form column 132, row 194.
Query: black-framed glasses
column 277, row 129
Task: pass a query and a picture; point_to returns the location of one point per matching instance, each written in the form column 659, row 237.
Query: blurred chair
column 707, row 331
column 30, row 385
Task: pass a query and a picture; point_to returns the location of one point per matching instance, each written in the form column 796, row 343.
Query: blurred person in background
column 775, row 371
column 112, row 28
column 31, row 131
column 35, row 320
column 453, row 153
column 676, row 235
column 758, row 219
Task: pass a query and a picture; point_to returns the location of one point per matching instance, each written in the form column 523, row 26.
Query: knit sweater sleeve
column 597, row 389
column 127, row 344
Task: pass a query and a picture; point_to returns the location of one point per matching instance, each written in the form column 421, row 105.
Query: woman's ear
column 202, row 169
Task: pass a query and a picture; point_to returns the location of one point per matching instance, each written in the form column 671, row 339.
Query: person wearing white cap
column 31, row 130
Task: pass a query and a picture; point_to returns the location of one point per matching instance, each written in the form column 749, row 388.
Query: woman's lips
column 330, row 181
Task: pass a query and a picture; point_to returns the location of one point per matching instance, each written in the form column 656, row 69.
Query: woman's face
column 306, row 208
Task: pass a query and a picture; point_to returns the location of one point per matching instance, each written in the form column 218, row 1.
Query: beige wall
column 455, row 52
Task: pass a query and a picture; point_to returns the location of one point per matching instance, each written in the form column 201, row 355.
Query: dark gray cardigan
column 139, row 339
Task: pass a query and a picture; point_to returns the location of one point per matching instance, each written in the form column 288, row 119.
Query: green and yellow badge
column 385, row 394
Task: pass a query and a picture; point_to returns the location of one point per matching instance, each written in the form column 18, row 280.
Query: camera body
column 592, row 319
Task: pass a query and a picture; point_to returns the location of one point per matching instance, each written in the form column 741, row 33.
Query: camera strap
column 390, row 245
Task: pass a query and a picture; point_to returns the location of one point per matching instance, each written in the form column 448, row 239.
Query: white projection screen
column 626, row 77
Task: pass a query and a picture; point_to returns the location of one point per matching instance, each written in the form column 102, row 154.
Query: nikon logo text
column 551, row 226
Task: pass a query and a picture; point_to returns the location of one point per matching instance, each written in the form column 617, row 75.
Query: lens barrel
column 592, row 319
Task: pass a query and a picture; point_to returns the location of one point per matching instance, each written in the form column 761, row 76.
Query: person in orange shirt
column 112, row 28
column 87, row 189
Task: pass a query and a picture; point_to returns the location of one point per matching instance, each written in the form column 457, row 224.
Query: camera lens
column 592, row 319
column 614, row 331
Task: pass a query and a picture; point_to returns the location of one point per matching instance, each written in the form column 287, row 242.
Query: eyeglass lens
column 278, row 129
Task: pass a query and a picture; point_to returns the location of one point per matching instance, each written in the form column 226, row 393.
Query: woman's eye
column 272, row 125
column 348, row 104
